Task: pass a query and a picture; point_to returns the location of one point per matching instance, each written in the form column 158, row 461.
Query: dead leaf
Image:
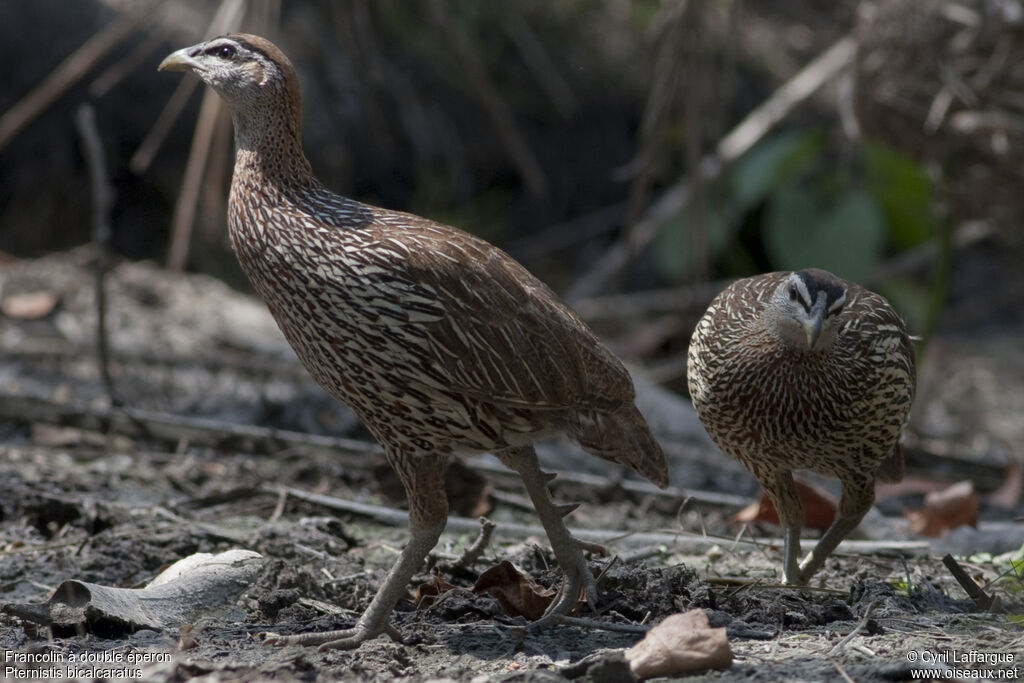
column 432, row 588
column 681, row 642
column 29, row 306
column 954, row 506
column 517, row 592
column 819, row 508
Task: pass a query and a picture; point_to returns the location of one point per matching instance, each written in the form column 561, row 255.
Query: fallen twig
column 173, row 429
column 583, row 622
column 743, row 582
column 678, row 541
column 982, row 600
column 593, row 481
column 861, row 626
column 477, row 547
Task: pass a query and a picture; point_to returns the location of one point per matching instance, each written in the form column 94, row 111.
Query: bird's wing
column 880, row 321
column 482, row 325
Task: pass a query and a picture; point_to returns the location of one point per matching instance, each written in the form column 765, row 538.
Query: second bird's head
column 246, row 70
column 806, row 308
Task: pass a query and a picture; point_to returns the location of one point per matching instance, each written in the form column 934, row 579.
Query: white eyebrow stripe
column 838, row 303
column 802, row 289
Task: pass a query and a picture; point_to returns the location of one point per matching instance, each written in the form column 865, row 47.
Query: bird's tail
column 623, row 437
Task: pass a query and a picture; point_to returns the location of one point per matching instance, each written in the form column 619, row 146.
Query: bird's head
column 806, row 307
column 248, row 71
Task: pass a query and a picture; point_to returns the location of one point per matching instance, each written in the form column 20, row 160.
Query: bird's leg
column 568, row 550
column 781, row 490
column 423, row 478
column 791, row 555
column 858, row 493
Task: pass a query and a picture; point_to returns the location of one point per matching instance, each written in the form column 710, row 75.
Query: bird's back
column 433, row 336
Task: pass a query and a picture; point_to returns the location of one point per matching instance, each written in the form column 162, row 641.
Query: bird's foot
column 345, row 639
column 578, row 585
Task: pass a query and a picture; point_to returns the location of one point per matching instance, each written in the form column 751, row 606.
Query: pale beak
column 179, row 61
column 815, row 321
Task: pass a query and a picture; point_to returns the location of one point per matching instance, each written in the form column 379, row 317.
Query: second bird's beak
column 814, row 322
column 179, row 61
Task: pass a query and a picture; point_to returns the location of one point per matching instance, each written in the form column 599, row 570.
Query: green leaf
column 844, row 236
column 672, row 250
column 904, row 191
column 772, row 163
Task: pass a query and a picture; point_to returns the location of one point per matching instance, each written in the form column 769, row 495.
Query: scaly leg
column 858, row 493
column 568, row 552
column 423, row 477
column 781, row 490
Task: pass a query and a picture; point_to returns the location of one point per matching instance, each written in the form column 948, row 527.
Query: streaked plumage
column 805, row 371
column 440, row 342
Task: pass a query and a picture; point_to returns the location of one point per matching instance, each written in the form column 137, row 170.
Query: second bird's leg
column 781, row 490
column 423, row 478
column 858, row 493
column 568, row 550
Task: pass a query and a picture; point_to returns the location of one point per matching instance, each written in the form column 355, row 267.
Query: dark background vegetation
column 567, row 132
column 554, row 129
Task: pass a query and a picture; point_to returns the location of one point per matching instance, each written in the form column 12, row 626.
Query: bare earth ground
column 115, row 509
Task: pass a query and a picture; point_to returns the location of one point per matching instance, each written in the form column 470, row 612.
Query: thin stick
column 143, row 156
column 842, row 672
column 982, row 600
column 115, row 73
column 861, row 625
column 476, row 549
column 102, row 202
column 185, row 208
column 680, row 542
column 730, row 148
column 68, row 72
column 174, row 428
column 597, row 625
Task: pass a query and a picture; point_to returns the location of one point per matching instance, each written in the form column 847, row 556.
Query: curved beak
column 814, row 322
column 180, row 60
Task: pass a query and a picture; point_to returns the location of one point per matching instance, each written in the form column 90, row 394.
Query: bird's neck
column 268, row 148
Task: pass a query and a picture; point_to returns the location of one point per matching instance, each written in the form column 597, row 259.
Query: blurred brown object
column 954, row 506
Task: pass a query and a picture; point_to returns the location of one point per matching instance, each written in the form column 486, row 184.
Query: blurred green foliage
column 809, row 206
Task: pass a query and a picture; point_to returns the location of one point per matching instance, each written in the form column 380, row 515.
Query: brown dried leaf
column 954, row 506
column 681, row 642
column 434, row 587
column 819, row 508
column 517, row 592
column 29, row 306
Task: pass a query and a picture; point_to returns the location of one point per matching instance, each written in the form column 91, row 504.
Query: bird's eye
column 792, row 293
column 223, row 51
